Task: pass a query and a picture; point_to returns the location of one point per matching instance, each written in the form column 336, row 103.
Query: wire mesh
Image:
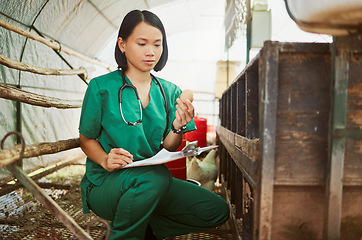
column 23, row 217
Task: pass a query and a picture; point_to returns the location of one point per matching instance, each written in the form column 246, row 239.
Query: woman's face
column 143, row 48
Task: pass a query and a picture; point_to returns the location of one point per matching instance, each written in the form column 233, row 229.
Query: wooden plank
column 222, row 158
column 229, row 168
column 249, row 146
column 241, row 107
column 352, row 166
column 353, row 153
column 303, row 117
column 236, row 233
column 296, row 47
column 228, row 109
column 335, row 167
column 298, row 212
column 248, row 210
column 252, row 101
column 246, row 165
column 224, row 110
column 234, row 107
column 221, row 111
column 238, row 194
column 268, row 87
column 233, row 181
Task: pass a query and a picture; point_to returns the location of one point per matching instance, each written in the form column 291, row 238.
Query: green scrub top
column 101, row 120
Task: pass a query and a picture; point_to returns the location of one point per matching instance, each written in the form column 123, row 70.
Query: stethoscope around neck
column 139, row 121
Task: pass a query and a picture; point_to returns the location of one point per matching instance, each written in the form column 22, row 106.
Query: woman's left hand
column 185, row 111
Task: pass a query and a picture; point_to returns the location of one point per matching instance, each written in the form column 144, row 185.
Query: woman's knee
column 215, row 212
column 223, row 212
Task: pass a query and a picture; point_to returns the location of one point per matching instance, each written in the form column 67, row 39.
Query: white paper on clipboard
column 164, row 156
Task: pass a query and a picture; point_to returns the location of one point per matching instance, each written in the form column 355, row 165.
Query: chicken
column 205, row 171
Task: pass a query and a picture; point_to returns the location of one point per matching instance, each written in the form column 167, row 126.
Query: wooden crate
column 278, row 142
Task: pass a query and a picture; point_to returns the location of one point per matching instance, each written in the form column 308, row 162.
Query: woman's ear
column 121, row 44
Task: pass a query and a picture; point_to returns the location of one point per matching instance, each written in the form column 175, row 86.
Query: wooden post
column 337, row 144
column 268, row 117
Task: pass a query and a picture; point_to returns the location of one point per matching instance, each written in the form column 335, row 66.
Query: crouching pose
column 127, row 115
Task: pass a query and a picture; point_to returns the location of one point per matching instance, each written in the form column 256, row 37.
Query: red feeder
column 199, row 134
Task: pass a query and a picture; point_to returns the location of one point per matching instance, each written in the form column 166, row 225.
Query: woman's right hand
column 117, row 158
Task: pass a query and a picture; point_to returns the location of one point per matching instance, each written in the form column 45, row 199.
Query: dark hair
column 130, row 21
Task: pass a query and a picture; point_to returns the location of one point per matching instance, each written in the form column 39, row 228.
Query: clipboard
column 164, row 156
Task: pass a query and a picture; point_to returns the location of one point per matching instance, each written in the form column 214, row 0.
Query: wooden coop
column 290, row 142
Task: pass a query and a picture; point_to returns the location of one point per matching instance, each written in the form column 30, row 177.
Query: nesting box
column 290, row 141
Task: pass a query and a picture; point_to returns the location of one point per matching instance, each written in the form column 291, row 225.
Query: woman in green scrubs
column 141, row 202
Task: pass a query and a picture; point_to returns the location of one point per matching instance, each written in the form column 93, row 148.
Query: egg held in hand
column 187, row 94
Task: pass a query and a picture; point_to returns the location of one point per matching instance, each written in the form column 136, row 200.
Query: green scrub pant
column 135, row 197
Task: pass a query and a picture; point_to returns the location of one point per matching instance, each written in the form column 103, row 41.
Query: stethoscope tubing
column 127, row 85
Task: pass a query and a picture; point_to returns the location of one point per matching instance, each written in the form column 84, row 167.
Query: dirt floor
column 23, row 217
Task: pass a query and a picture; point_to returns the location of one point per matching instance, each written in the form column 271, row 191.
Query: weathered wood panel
column 246, row 164
column 303, row 117
column 252, row 101
column 353, row 153
column 287, row 169
column 298, row 211
column 241, row 114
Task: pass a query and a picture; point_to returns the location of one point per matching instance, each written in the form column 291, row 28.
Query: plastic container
column 178, row 167
column 199, row 134
column 333, row 17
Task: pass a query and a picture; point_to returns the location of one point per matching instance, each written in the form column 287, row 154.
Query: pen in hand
column 110, row 145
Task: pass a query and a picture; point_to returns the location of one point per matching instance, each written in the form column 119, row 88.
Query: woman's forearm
column 93, row 149
column 183, row 115
column 172, row 141
column 116, row 159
